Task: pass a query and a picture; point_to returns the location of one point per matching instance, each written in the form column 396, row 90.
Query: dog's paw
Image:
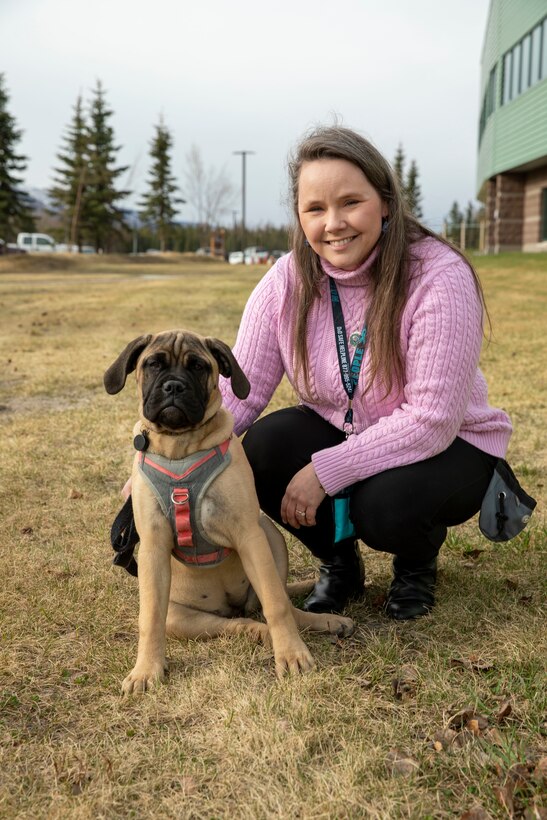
column 260, row 633
column 294, row 660
column 339, row 626
column 142, row 678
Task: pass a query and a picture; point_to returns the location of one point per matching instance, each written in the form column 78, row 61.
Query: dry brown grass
column 223, row 737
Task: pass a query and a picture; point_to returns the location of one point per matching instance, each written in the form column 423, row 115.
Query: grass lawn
column 443, row 717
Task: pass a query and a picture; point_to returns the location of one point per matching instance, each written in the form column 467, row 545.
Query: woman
column 377, row 324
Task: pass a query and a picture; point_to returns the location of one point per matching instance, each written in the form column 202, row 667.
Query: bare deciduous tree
column 207, row 190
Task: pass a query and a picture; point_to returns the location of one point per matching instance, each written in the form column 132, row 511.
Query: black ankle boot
column 412, row 591
column 341, row 578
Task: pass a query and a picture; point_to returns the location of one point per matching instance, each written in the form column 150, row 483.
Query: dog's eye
column 153, row 364
column 197, row 366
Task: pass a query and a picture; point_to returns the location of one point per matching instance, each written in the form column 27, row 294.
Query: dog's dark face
column 177, row 373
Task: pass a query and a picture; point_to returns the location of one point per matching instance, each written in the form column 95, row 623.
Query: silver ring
column 301, row 512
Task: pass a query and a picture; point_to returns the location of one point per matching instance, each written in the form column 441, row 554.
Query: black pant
column 404, row 511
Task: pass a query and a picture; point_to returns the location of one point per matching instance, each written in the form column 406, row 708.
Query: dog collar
column 142, row 439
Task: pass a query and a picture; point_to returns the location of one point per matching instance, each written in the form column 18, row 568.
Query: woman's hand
column 302, row 498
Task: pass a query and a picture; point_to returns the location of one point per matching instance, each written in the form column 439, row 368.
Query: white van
column 36, row 242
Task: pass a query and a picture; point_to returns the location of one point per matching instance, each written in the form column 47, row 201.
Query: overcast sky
column 247, row 75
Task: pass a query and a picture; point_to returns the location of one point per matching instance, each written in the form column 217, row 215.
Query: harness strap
column 181, row 498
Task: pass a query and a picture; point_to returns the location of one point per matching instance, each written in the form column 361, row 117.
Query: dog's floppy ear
column 115, row 376
column 228, row 366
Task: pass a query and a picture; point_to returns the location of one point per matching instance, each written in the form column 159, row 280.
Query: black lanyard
column 349, row 371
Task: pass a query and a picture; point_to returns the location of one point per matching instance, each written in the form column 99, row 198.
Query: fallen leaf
column 27, row 531
column 504, row 796
column 510, row 584
column 476, row 813
column 75, row 494
column 401, row 765
column 504, row 710
column 520, row 774
column 473, row 554
column 445, row 738
column 473, row 726
column 462, row 718
column 364, row 683
column 405, row 684
column 473, row 663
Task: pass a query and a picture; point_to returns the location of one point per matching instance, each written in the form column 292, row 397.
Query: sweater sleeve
column 441, row 348
column 257, row 352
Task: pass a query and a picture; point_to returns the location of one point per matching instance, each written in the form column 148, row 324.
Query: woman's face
column 340, row 211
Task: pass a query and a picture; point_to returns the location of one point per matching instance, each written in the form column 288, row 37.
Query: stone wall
column 532, row 239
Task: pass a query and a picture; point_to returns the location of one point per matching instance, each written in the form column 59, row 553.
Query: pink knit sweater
column 444, row 394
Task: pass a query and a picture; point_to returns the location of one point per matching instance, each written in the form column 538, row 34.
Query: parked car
column 9, row 247
column 274, row 256
column 236, row 258
column 36, row 242
column 256, row 255
column 63, row 248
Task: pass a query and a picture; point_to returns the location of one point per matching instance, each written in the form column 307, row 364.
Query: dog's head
column 177, row 373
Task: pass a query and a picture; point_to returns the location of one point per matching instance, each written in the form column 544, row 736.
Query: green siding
column 508, row 21
column 515, row 133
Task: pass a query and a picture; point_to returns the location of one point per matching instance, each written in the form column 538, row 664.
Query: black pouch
column 506, row 508
column 124, row 538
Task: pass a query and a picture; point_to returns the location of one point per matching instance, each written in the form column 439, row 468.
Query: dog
column 206, row 583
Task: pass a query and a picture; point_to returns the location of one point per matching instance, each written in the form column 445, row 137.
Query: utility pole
column 243, row 158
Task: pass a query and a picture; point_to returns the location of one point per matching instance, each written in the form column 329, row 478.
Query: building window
column 507, row 77
column 488, row 101
column 525, row 64
column 515, row 73
column 535, row 56
column 543, row 237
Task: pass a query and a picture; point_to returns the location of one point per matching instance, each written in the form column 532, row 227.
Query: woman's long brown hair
column 390, row 269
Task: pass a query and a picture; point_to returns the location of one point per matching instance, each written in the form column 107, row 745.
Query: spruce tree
column 71, row 178
column 409, row 184
column 15, row 206
column 454, row 220
column 413, row 190
column 399, row 165
column 158, row 205
column 102, row 218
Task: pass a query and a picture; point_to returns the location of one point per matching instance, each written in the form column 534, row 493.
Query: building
column 512, row 157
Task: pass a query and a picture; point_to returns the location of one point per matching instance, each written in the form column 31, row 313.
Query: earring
column 385, row 224
column 306, row 243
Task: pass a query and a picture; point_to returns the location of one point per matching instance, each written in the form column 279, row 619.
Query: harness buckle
column 179, row 496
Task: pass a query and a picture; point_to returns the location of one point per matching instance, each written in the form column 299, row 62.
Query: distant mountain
column 41, row 201
column 40, row 198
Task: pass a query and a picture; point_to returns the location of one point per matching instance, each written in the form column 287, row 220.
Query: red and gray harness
column 179, row 486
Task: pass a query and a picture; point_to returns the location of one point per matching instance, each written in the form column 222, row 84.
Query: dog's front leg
column 154, row 586
column 290, row 652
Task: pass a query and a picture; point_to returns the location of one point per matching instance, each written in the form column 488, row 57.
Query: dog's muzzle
column 175, row 403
